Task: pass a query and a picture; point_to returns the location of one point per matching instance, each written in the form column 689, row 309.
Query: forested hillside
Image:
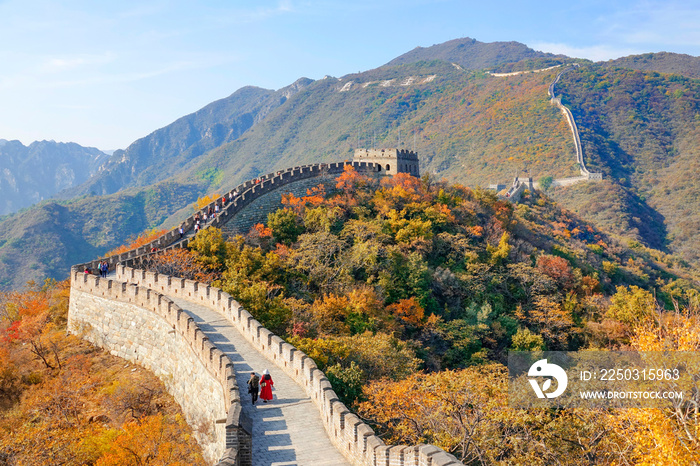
column 466, row 126
column 45, row 240
column 663, row 62
column 487, row 136
column 406, row 286
column 64, row 401
column 641, row 129
column 471, row 54
column 638, row 127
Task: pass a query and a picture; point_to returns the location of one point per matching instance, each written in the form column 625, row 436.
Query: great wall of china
column 167, row 324
column 518, row 186
column 202, row 344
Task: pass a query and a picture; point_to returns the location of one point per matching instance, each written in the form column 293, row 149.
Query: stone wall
column 355, row 439
column 248, row 192
column 144, row 327
column 258, row 209
column 390, row 161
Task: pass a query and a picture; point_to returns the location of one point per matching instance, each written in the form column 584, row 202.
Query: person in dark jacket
column 253, row 385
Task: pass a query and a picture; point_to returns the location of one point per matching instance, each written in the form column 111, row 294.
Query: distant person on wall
column 182, row 232
column 253, row 386
column 266, row 387
column 106, row 268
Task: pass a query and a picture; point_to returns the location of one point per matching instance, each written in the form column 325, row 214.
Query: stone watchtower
column 390, row 161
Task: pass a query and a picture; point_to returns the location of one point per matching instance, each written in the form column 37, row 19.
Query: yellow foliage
column 141, row 240
column 202, row 202
column 151, row 442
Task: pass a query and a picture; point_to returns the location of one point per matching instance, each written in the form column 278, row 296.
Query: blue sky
column 104, row 74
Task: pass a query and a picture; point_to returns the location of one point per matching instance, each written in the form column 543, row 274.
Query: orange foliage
column 314, row 197
column 408, row 310
column 557, row 268
column 60, row 399
column 403, row 181
column 349, row 179
column 139, row 241
column 150, row 442
column 476, row 231
column 262, row 231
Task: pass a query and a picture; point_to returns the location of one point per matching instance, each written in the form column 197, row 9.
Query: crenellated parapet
column 390, row 161
column 143, row 326
column 245, row 194
column 355, row 439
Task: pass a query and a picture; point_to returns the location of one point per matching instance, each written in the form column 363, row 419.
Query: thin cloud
column 653, row 23
column 59, row 64
column 257, row 14
column 594, row 52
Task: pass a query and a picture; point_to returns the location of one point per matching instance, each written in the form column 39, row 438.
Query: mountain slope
column 641, row 129
column 29, row 174
column 471, row 54
column 663, row 62
column 45, row 240
column 467, row 126
column 168, row 150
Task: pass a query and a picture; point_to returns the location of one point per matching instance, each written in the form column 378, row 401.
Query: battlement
column 390, row 161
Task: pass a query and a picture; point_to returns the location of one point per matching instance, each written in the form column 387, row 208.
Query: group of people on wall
column 210, row 213
column 262, row 385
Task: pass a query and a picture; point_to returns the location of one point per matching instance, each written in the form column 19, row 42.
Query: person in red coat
column 266, row 387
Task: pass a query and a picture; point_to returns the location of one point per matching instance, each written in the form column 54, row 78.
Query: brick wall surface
column 144, row 327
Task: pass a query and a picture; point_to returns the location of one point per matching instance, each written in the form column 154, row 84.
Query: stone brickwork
column 146, row 328
column 259, row 208
column 355, row 439
column 390, row 161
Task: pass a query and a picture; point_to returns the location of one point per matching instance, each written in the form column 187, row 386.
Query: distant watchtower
column 390, row 161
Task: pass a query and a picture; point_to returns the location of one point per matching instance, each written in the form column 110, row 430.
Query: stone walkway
column 286, row 431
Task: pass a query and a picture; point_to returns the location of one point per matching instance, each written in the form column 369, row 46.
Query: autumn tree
column 180, row 263
column 138, row 241
column 209, row 247
column 204, row 201
column 151, row 442
column 557, row 268
column 286, row 225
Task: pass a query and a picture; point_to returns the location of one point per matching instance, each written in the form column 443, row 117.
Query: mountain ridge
column 469, row 127
column 29, row 174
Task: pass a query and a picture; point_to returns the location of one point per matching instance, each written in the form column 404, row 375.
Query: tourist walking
column 253, row 386
column 266, row 387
